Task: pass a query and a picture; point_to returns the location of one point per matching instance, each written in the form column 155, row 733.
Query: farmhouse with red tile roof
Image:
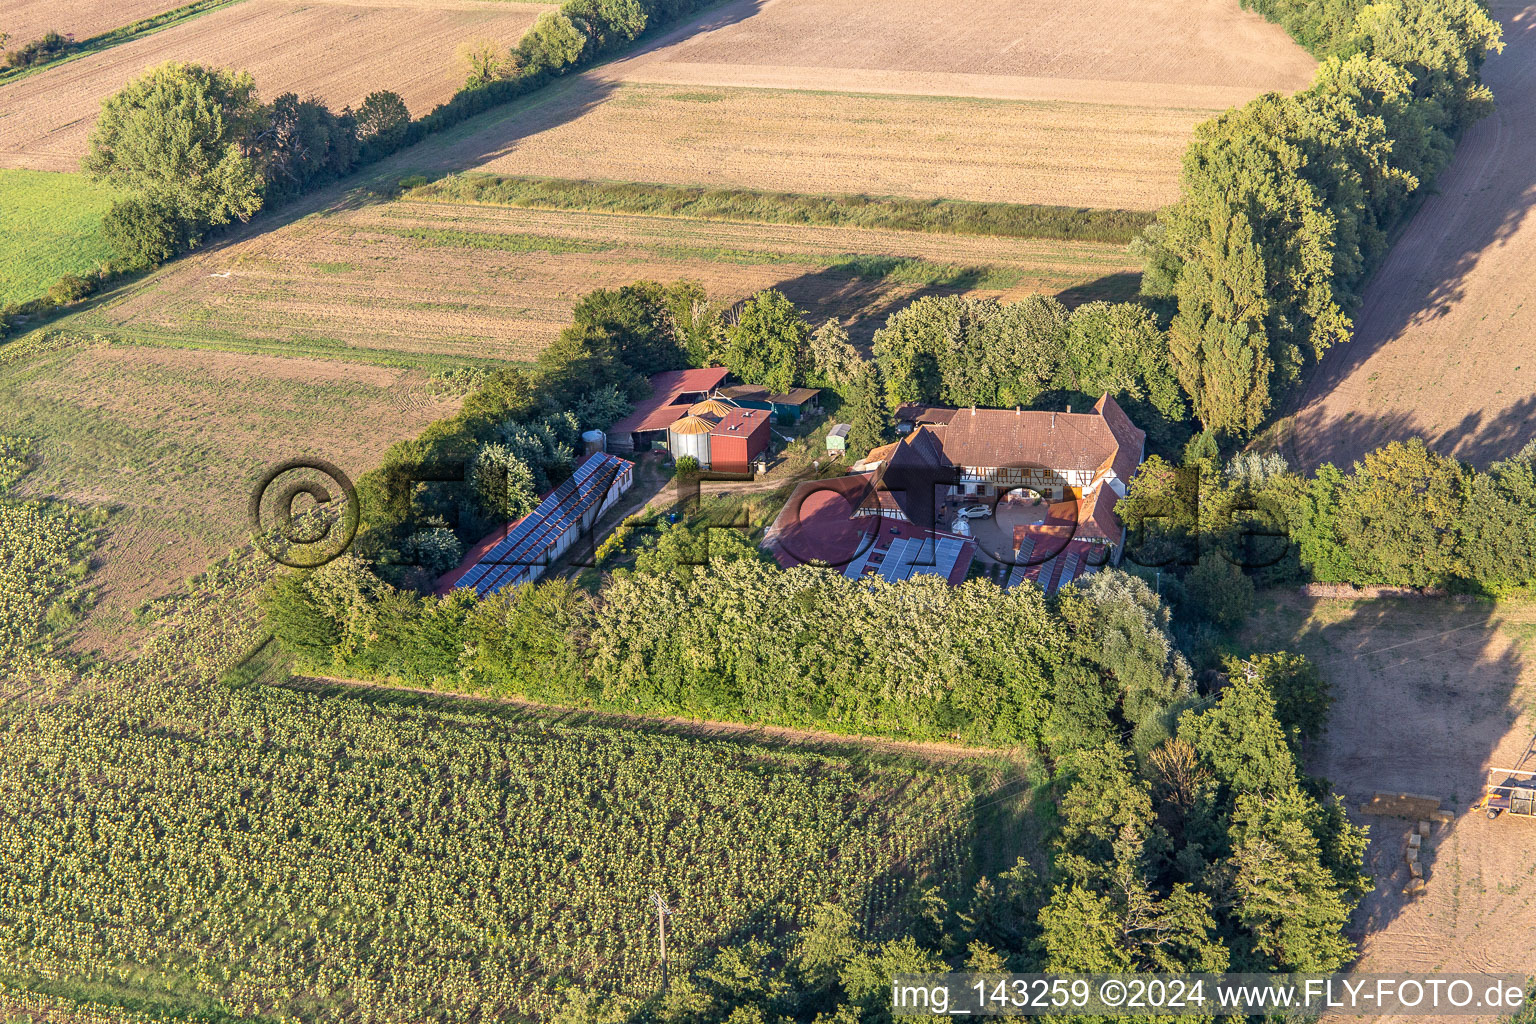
column 1072, row 467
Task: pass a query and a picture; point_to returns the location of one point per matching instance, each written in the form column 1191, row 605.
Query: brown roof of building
column 817, row 523
column 916, row 412
column 817, row 526
column 1132, row 439
column 880, row 454
column 758, row 393
column 907, row 477
column 1096, row 519
column 1005, row 437
column 740, row 422
column 665, row 405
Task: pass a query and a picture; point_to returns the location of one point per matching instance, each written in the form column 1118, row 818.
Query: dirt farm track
column 1445, row 346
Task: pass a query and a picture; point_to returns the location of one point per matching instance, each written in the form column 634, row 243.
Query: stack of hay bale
column 1418, row 842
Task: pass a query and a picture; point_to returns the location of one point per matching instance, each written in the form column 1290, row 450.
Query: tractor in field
column 1509, row 790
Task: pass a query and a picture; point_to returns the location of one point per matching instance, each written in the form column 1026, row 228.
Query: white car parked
column 973, row 512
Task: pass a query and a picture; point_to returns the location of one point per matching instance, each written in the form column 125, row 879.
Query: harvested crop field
column 921, row 146
column 1179, row 46
column 1443, row 345
column 1427, row 695
column 175, row 440
column 27, row 20
column 46, row 119
column 425, row 280
column 1028, row 103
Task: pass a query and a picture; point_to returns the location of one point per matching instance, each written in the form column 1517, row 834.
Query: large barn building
column 1057, row 475
column 672, row 394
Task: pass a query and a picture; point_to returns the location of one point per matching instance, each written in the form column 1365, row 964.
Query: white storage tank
column 594, row 441
column 690, row 436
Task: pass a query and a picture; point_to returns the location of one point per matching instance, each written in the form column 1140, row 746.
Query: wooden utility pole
column 662, row 913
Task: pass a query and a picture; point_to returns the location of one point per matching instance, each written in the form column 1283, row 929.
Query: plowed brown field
column 339, row 52
column 27, row 20
column 1444, row 347
column 414, row 278
column 1161, row 42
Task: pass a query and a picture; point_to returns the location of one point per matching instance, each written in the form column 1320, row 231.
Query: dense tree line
column 229, row 155
column 1185, row 835
column 1401, row 516
column 1287, row 202
column 959, row 351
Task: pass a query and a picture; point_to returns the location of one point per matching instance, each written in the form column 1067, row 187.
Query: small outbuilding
column 737, row 439
column 837, row 438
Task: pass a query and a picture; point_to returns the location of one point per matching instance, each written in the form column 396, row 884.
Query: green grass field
column 50, row 225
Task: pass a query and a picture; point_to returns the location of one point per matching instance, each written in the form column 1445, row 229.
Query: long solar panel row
column 511, row 560
column 1021, row 563
column 948, row 555
column 1068, row 569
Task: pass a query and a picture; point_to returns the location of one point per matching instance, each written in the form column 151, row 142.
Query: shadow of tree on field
column 1479, row 438
column 1426, row 699
column 1479, row 204
column 864, row 303
column 1124, row 286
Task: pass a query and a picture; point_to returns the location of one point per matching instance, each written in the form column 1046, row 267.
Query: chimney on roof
column 1069, row 409
column 973, row 410
column 1053, row 420
column 1016, row 411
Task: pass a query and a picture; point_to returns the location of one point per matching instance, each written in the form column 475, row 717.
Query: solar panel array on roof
column 1068, row 569
column 1021, row 563
column 514, row 557
column 906, row 557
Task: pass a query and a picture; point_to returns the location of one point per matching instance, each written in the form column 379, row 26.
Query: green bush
column 70, row 288
column 383, row 122
column 38, row 51
column 143, row 233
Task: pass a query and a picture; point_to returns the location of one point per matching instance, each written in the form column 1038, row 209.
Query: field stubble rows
column 46, row 119
column 1062, row 153
column 426, row 281
column 173, row 441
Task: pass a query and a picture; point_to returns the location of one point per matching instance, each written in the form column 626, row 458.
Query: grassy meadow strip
column 50, row 226
column 944, row 216
column 450, row 238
